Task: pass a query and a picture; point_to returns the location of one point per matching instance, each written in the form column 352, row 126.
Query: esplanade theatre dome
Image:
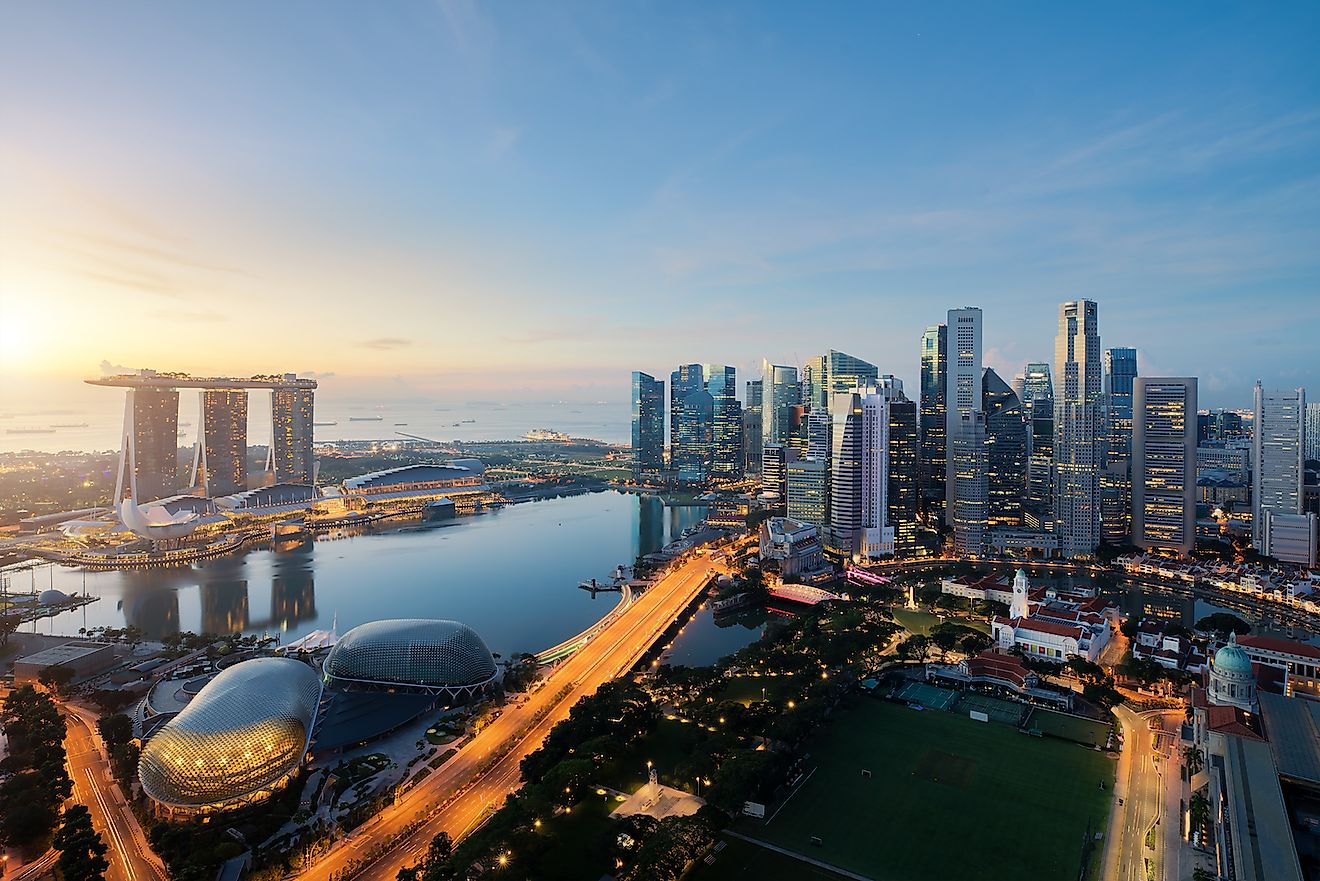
column 424, row 654
column 240, row 739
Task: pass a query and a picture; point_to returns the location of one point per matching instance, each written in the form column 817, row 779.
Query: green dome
column 1232, row 659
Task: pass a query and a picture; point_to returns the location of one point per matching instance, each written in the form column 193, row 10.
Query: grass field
column 916, row 621
column 948, row 798
column 1069, row 727
column 747, row 689
column 741, row 861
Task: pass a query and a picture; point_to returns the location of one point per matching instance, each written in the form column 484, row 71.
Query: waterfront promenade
column 476, row 781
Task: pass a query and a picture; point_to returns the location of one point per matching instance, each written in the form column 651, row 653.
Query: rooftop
column 63, row 654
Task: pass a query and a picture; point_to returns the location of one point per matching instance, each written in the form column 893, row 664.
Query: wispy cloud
column 385, row 343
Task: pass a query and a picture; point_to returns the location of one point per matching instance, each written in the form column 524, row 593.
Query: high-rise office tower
column 1312, row 432
column 1164, row 464
column 818, row 434
column 1120, row 371
column 1078, row 419
column 774, row 469
column 969, row 488
column 806, row 482
column 752, row 428
column 859, row 474
column 687, row 379
column 934, row 372
column 1115, row 505
column 220, row 454
column 291, row 413
column 843, row 373
column 149, row 456
column 648, row 424
column 726, row 457
column 1037, row 396
column 903, row 494
column 1276, row 454
column 1006, row 438
column 814, row 393
column 962, row 396
column 691, row 455
column 779, row 391
column 795, row 430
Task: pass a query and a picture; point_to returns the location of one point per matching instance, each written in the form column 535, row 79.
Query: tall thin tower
column 1078, row 421
column 966, row 474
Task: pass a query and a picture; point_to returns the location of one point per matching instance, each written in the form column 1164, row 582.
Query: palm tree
column 1194, row 759
column 1198, row 811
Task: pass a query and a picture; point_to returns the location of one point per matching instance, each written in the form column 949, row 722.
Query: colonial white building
column 1053, row 631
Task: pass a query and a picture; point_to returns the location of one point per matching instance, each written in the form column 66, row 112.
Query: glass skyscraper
column 1078, row 420
column 1164, row 464
column 220, row 455
column 726, row 454
column 152, row 444
column 779, row 391
column 1120, row 371
column 648, row 424
column 903, row 495
column 290, row 456
column 1006, row 451
column 934, row 370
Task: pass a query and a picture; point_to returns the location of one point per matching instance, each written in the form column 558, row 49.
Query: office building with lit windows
column 904, row 494
column 934, row 370
column 726, row 455
column 841, row 374
column 780, row 390
column 220, row 454
column 291, row 414
column 648, row 424
column 965, row 469
column 1164, row 464
column 859, row 474
column 1006, row 451
column 1120, row 372
column 807, row 487
column 1278, row 437
column 1078, row 422
column 694, row 445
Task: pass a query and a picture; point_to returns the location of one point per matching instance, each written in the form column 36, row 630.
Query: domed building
column 425, row 655
column 1232, row 682
column 237, row 742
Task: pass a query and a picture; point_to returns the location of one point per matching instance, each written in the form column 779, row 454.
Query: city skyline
column 550, row 178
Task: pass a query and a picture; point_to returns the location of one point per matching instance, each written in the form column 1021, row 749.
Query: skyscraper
column 818, row 434
column 291, row 413
column 1006, row 451
column 969, row 486
column 149, row 457
column 1276, row 455
column 774, row 469
column 779, row 391
column 687, row 379
column 1164, row 464
column 648, row 424
column 1078, row 396
column 1120, row 371
column 806, row 484
column 1037, row 394
column 1312, row 433
column 220, row 454
column 726, row 456
column 859, row 474
column 843, row 373
column 965, row 469
column 752, row 428
column 934, row 371
column 691, row 455
column 814, row 394
column 903, row 495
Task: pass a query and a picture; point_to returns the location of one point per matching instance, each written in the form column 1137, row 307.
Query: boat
column 469, row 420
column 29, row 431
column 68, row 425
column 365, row 418
column 400, row 423
column 546, row 434
column 324, row 424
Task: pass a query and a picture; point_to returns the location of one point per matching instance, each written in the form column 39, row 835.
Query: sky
column 526, row 201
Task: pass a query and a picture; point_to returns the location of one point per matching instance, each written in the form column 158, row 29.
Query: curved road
column 476, row 780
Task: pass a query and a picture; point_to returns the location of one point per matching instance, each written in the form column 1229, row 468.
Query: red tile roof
column 1038, row 625
column 1282, row 646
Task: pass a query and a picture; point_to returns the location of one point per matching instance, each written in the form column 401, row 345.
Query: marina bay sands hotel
column 148, row 457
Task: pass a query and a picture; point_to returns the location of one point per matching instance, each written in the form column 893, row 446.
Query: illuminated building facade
column 682, row 382
column 149, row 454
column 220, row 454
column 843, row 373
column 1277, row 450
column 965, row 468
column 859, row 474
column 432, row 656
column 779, row 391
column 807, row 482
column 290, row 459
column 236, row 743
column 934, row 371
column 726, row 454
column 1078, row 421
column 903, row 498
column 752, row 429
column 1164, row 464
column 1006, row 451
column 1120, row 373
column 691, row 452
column 648, row 424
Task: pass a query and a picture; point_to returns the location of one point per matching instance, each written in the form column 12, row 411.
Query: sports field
column 1069, row 727
column 948, row 797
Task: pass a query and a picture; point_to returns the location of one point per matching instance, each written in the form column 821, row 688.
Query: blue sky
column 533, row 199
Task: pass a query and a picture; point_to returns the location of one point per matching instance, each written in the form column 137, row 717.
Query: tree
column 1198, row 811
column 8, row 624
column 914, row 648
column 1194, row 759
column 115, row 730
column 1223, row 623
column 56, row 677
column 82, row 852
